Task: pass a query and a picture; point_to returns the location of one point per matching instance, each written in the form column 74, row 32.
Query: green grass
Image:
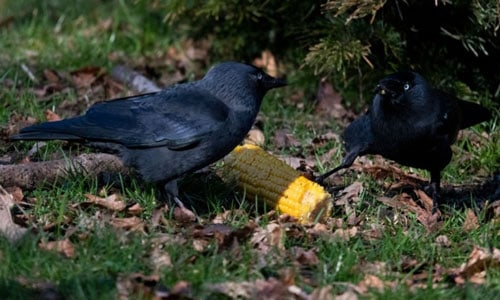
column 62, row 36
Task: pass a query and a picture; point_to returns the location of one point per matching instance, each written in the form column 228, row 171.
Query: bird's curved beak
column 270, row 82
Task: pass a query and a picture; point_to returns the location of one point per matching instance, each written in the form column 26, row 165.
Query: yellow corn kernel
column 265, row 177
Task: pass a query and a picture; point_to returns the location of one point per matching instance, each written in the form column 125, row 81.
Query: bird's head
column 243, row 78
column 399, row 88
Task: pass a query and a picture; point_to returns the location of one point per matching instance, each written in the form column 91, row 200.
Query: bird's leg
column 169, row 191
column 434, row 189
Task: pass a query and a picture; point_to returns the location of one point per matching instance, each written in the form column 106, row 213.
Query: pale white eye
column 406, row 86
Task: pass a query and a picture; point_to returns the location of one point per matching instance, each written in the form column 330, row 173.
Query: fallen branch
column 31, row 175
column 134, row 80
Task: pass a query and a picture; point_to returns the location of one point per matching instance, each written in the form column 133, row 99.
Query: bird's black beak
column 390, row 90
column 269, row 82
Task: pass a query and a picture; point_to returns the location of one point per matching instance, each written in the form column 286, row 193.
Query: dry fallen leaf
column 471, row 222
column 184, row 215
column 64, row 247
column 160, row 258
column 8, row 228
column 86, row 76
column 329, row 101
column 132, row 223
column 255, row 137
column 373, row 282
column 271, row 288
column 443, row 241
column 112, row 202
column 346, row 234
column 349, row 295
column 479, row 261
column 323, row 293
column 51, row 116
column 264, row 239
column 284, row 139
column 305, row 257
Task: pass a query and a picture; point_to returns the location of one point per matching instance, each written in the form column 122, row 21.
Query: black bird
column 166, row 134
column 411, row 123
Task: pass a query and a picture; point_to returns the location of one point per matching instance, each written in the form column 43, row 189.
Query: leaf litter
column 268, row 240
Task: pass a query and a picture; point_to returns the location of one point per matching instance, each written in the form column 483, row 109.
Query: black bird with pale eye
column 167, row 134
column 411, row 123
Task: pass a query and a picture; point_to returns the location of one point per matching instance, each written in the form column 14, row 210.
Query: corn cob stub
column 265, row 177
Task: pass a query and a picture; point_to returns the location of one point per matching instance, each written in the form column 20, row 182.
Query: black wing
column 176, row 118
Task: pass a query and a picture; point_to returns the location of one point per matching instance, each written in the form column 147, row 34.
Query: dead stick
column 134, row 79
column 31, row 175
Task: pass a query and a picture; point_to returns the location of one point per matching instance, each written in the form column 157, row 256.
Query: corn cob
column 265, row 177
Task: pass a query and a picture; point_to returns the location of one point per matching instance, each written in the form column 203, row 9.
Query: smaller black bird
column 411, row 123
column 167, row 134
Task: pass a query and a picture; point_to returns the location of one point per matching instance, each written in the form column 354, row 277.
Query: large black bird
column 166, row 134
column 411, row 123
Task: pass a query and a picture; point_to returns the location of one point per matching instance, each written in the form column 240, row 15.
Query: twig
column 134, row 79
column 28, row 72
column 30, row 175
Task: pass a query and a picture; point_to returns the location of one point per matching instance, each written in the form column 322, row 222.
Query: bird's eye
column 259, row 76
column 406, row 86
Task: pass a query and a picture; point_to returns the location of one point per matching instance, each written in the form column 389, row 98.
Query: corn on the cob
column 267, row 178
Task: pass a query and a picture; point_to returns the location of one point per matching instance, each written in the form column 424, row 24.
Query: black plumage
column 411, row 123
column 166, row 134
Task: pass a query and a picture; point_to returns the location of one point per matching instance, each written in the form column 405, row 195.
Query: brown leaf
column 112, row 202
column 350, row 193
column 158, row 217
column 184, row 215
column 160, row 258
column 349, row 295
column 8, row 228
column 406, row 203
column 132, row 223
column 16, row 192
column 283, row 139
column 16, row 122
column 346, row 234
column 51, row 76
column 471, row 222
column 389, row 171
column 223, row 234
column 255, row 137
column 264, row 239
column 86, row 76
column 443, row 241
column 136, row 209
column 328, row 101
column 299, row 163
column 305, row 257
column 64, row 247
column 425, row 200
column 347, row 197
column 271, row 288
column 480, row 260
column 51, row 116
column 48, row 89
column 324, row 293
column 374, row 282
